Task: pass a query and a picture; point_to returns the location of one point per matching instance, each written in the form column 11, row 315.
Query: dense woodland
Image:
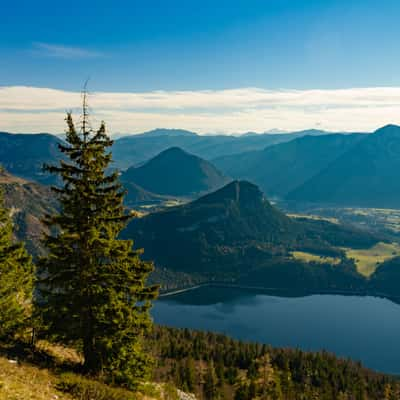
column 215, row 366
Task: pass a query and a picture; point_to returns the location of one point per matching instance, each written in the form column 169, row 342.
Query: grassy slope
column 309, row 257
column 49, row 373
column 24, row 381
column 368, row 260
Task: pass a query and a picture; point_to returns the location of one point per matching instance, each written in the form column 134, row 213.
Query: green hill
column 175, row 173
column 235, row 234
column 364, row 176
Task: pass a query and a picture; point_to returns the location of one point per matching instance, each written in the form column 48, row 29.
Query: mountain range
column 281, row 168
column 366, row 175
column 357, row 170
column 134, row 149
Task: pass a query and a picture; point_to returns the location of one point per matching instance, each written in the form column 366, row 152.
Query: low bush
column 88, row 389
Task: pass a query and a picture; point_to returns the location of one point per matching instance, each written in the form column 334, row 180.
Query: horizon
column 205, row 112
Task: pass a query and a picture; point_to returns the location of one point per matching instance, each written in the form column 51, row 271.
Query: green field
column 309, row 257
column 314, row 217
column 367, row 260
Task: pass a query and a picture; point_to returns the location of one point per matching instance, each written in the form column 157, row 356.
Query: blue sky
column 145, row 46
column 180, row 45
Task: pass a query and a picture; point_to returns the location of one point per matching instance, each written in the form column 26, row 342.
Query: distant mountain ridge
column 281, row 168
column 175, row 172
column 134, row 149
column 367, row 175
column 166, row 132
column 24, row 154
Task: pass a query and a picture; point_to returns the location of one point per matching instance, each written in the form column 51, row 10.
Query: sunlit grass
column 23, row 382
column 367, row 260
column 314, row 217
column 309, row 257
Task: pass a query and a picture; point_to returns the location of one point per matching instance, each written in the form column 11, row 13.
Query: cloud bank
column 31, row 109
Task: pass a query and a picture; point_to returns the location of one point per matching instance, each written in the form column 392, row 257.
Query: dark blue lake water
column 362, row 328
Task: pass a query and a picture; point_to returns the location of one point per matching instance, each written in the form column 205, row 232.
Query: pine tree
column 94, row 289
column 210, row 387
column 16, row 279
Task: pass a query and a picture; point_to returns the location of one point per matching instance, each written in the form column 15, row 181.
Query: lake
column 362, row 328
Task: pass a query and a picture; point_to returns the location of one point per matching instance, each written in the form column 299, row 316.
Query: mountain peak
column 175, row 172
column 168, row 132
column 242, row 192
column 388, row 130
column 175, row 151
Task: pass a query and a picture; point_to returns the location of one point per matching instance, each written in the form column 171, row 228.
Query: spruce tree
column 16, row 279
column 94, row 287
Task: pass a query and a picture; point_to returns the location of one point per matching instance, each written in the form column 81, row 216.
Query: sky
column 208, row 66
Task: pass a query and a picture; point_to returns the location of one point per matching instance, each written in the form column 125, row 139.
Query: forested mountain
column 281, row 168
column 175, row 172
column 29, row 202
column 24, row 154
column 235, row 234
column 365, row 176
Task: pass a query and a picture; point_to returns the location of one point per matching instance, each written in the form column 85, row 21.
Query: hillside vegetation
column 212, row 366
column 236, row 235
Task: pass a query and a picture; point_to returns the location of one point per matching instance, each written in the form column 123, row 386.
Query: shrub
column 87, row 389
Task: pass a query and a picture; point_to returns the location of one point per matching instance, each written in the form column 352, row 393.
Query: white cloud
column 61, row 51
column 30, row 109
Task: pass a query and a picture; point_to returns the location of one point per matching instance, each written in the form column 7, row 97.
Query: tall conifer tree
column 16, row 279
column 94, row 289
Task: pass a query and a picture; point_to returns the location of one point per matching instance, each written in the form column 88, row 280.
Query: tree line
column 215, row 366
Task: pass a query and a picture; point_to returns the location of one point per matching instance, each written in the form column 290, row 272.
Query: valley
column 219, row 243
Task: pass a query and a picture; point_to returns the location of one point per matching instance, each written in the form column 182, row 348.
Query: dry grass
column 367, row 260
column 59, row 353
column 314, row 217
column 30, row 380
column 6, row 178
column 26, row 382
column 309, row 257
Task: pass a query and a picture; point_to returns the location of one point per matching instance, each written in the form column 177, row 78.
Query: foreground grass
column 367, row 260
column 27, row 382
column 47, row 373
